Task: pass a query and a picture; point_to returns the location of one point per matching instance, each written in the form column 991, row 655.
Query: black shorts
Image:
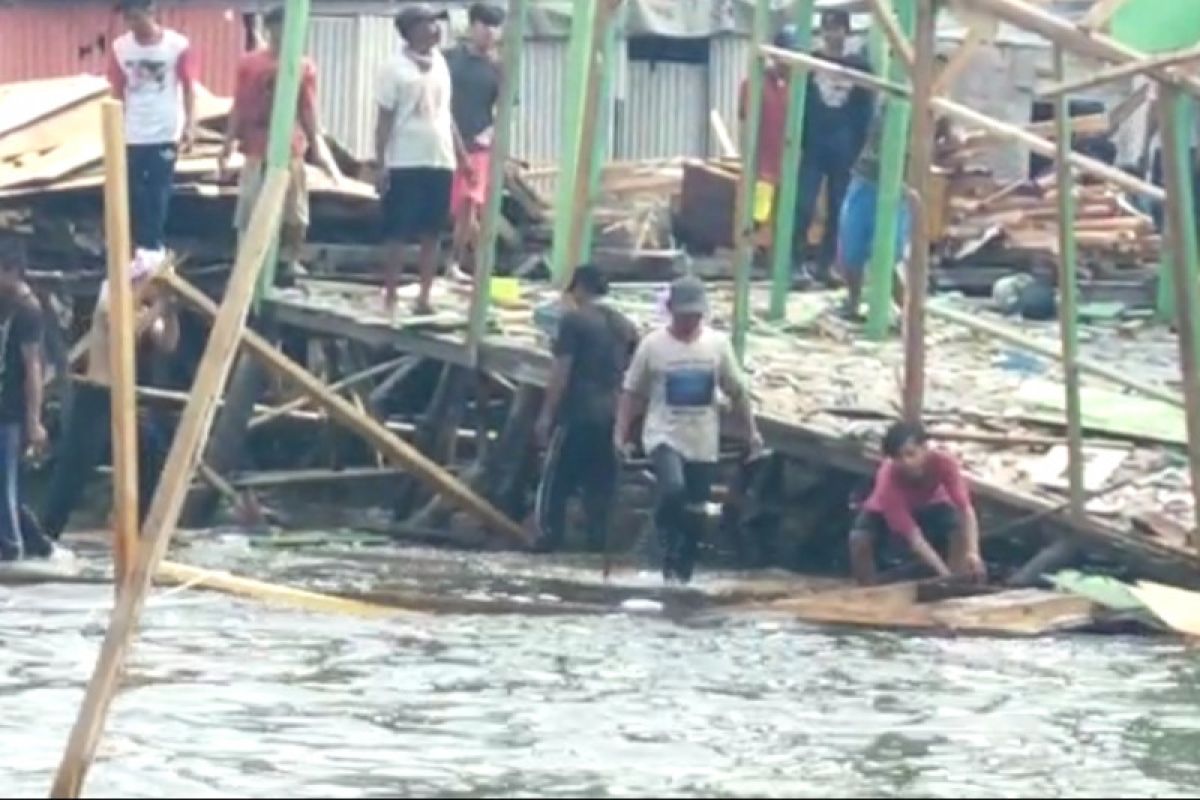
column 938, row 521
column 417, row 203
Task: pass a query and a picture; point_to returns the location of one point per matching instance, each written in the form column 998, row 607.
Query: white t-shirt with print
column 680, row 381
column 423, row 132
column 151, row 76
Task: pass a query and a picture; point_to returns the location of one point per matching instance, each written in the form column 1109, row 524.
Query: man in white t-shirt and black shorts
column 416, row 148
column 674, row 377
column 151, row 70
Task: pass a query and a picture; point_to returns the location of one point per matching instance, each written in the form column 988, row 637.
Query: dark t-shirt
column 21, row 327
column 600, row 341
column 837, row 113
column 475, row 82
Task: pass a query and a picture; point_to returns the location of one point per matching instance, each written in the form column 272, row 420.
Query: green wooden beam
column 283, row 114
column 744, row 257
column 510, row 78
column 894, row 153
column 782, row 240
column 1068, row 287
column 601, row 144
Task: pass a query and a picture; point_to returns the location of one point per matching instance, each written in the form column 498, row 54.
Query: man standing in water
column 20, row 398
column 920, row 498
column 475, row 78
column 837, row 117
column 150, row 69
column 591, row 352
column 249, row 127
column 674, row 378
column 417, row 150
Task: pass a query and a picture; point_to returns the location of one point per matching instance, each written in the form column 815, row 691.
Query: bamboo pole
column 485, row 253
column 1004, row 130
column 342, row 411
column 1075, row 39
column 890, row 195
column 783, row 240
column 901, row 48
column 1120, row 71
column 977, row 35
column 1174, row 123
column 744, row 261
column 173, row 486
column 1004, row 333
column 1068, row 312
column 350, row 380
column 604, row 113
column 1100, row 13
column 920, row 146
column 121, row 323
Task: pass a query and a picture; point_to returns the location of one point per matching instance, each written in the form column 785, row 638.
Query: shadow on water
column 228, row 698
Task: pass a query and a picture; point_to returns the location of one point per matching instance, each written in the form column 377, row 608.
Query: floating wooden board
column 1106, row 411
column 1178, row 608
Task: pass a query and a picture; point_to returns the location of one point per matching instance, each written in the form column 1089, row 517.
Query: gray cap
column 413, row 14
column 687, row 296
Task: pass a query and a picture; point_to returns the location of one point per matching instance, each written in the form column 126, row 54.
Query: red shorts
column 475, row 193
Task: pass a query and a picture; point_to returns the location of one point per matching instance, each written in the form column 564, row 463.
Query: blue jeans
column 683, row 489
column 151, row 171
column 817, row 169
column 16, row 540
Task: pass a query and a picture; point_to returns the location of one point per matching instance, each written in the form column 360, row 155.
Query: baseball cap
column 413, row 14
column 687, row 296
column 788, row 38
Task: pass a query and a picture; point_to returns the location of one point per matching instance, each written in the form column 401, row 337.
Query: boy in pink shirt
column 152, row 72
column 919, row 494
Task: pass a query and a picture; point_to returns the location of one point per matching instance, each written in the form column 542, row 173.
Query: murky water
column 228, row 698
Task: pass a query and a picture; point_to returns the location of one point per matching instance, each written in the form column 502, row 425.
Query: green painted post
column 510, row 78
column 782, row 240
column 600, row 145
column 579, row 61
column 744, row 259
column 283, row 114
column 1068, row 286
column 894, row 153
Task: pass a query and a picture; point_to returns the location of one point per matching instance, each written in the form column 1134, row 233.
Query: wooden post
column 579, row 212
column 173, row 486
column 121, row 323
column 1121, row 71
column 485, row 253
column 604, row 123
column 283, row 111
column 896, row 39
column 349, row 381
column 342, row 411
column 921, row 160
column 893, row 152
column 1174, row 122
column 744, row 260
column 580, row 57
column 1068, row 312
column 783, row 240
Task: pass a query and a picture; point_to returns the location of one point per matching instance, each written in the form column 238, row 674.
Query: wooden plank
column 121, row 323
column 1099, row 14
column 340, row 410
column 882, row 14
column 1178, row 608
column 344, row 383
column 1118, row 72
column 978, row 35
column 29, row 102
column 172, row 488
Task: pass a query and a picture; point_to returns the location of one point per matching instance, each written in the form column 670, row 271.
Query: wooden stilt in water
column 350, row 381
column 920, row 149
column 121, row 322
column 437, row 432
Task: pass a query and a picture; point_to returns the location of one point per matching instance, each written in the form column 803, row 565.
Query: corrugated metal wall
column 349, row 51
column 51, row 40
column 727, row 57
column 665, row 112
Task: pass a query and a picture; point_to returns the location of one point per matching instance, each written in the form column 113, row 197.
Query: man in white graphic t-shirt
column 152, row 71
column 674, row 378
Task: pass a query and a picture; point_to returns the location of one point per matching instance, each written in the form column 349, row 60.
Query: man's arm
column 555, row 388
column 116, row 77
column 31, row 353
column 733, row 384
column 924, row 551
column 233, row 125
column 310, row 123
column 186, row 71
column 632, row 402
column 960, row 497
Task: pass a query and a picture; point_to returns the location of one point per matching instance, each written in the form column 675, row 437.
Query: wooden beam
column 1068, row 286
column 173, row 486
column 1100, row 13
column 1125, row 70
column 978, row 35
column 342, row 411
column 970, row 116
column 920, row 149
column 882, row 13
column 121, row 323
column 344, row 383
column 1095, row 45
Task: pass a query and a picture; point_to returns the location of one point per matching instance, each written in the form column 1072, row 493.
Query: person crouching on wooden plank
column 921, row 498
column 87, row 429
column 20, row 398
column 591, row 352
column 249, row 127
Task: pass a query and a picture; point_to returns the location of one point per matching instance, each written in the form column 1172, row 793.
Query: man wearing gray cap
column 673, row 378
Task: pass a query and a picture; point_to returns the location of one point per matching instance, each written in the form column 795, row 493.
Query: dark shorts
column 938, row 522
column 417, row 203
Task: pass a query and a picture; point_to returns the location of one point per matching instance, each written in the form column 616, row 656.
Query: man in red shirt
column 772, row 125
column 249, row 127
column 919, row 495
